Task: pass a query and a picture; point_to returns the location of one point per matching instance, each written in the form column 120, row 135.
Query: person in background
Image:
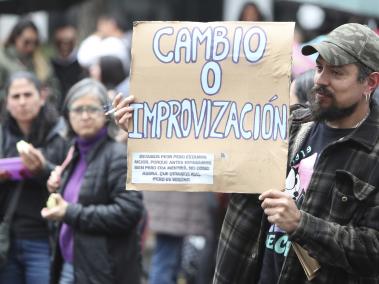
column 27, row 116
column 65, row 63
column 21, row 53
column 251, row 12
column 110, row 38
column 301, row 87
column 97, row 238
column 201, row 263
column 300, row 63
column 376, row 95
column 114, row 24
column 111, row 73
column 172, row 218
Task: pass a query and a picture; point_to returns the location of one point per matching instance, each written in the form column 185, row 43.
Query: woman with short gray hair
column 97, row 240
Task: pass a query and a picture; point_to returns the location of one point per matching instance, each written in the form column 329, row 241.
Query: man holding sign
column 335, row 143
column 333, row 175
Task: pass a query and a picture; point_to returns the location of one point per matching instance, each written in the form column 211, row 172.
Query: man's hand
column 57, row 212
column 281, row 210
column 124, row 110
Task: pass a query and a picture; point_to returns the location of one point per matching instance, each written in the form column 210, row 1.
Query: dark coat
column 104, row 221
column 339, row 224
column 27, row 221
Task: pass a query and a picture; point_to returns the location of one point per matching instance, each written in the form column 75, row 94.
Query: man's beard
column 332, row 112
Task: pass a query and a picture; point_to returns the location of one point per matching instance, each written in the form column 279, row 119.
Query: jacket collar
column 366, row 135
column 94, row 150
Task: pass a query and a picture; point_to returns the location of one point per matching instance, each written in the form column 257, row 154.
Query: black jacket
column 104, row 221
column 339, row 216
column 27, row 221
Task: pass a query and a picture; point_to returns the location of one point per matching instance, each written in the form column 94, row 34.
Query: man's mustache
column 322, row 90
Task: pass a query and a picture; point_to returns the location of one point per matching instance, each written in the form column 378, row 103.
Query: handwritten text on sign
column 210, row 118
column 217, row 48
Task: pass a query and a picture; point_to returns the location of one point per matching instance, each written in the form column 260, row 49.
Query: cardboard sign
column 211, row 106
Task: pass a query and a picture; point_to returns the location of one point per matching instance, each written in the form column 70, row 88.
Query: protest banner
column 211, row 106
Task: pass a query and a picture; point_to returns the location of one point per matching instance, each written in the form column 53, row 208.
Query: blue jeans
column 67, row 274
column 28, row 262
column 166, row 259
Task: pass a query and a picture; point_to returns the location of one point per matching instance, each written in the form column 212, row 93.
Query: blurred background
column 314, row 17
column 80, row 38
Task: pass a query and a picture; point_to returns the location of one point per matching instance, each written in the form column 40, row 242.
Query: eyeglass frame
column 91, row 110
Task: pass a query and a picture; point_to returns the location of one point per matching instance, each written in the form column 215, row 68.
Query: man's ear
column 373, row 81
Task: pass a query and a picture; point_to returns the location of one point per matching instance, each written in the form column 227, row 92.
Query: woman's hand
column 54, row 181
column 123, row 110
column 33, row 159
column 57, row 212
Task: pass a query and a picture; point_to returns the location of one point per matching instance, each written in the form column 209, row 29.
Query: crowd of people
column 94, row 230
column 78, row 157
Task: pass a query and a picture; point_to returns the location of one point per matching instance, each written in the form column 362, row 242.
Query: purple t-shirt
column 72, row 189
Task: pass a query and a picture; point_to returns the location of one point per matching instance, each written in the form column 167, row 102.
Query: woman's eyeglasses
column 90, row 110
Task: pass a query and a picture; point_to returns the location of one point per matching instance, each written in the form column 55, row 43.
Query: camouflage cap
column 347, row 44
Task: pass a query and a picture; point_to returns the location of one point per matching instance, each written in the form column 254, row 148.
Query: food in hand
column 51, row 202
column 23, row 147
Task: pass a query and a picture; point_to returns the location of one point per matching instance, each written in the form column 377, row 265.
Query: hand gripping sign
column 211, row 106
